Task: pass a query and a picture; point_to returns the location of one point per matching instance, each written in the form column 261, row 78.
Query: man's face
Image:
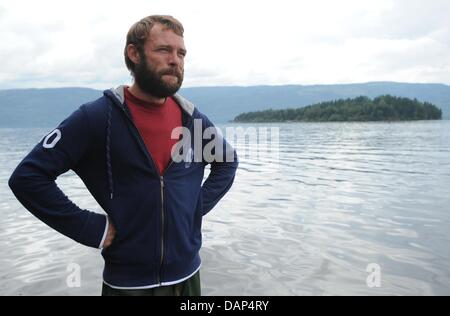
column 160, row 71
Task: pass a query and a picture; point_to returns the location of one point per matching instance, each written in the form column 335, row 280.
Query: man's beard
column 151, row 82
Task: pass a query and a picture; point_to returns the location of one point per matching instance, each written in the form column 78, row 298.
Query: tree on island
column 382, row 108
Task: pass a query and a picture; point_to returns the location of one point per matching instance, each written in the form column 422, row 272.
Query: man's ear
column 133, row 53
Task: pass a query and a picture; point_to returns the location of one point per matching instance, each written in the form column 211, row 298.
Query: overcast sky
column 234, row 42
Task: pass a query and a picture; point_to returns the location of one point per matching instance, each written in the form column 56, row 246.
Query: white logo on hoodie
column 46, row 144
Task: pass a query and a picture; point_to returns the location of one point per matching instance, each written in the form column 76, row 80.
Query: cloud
column 409, row 19
column 230, row 43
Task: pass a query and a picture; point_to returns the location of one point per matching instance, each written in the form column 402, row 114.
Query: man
column 123, row 148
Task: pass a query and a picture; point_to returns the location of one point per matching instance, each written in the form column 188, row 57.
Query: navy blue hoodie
column 157, row 218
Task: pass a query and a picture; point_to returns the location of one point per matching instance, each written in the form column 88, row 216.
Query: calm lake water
column 342, row 196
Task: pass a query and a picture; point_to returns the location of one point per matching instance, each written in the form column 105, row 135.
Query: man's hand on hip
column 109, row 235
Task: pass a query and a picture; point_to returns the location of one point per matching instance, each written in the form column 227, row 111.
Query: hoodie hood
column 187, row 106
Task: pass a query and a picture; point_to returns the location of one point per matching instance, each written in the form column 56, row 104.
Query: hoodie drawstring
column 108, row 153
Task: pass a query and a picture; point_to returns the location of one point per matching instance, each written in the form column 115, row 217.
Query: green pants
column 190, row 287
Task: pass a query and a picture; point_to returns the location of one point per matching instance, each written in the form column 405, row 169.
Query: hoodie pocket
column 135, row 240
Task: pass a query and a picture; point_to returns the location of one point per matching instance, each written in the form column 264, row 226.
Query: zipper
column 161, row 178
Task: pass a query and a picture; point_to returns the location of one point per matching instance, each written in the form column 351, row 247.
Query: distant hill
column 41, row 107
column 360, row 109
column 48, row 107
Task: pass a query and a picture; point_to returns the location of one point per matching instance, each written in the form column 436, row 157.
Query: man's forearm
column 39, row 194
column 218, row 183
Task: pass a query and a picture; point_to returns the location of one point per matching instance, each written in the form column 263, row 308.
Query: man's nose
column 175, row 60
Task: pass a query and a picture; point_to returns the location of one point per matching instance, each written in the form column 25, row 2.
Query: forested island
column 382, row 108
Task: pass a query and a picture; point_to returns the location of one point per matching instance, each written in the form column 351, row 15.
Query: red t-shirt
column 155, row 123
